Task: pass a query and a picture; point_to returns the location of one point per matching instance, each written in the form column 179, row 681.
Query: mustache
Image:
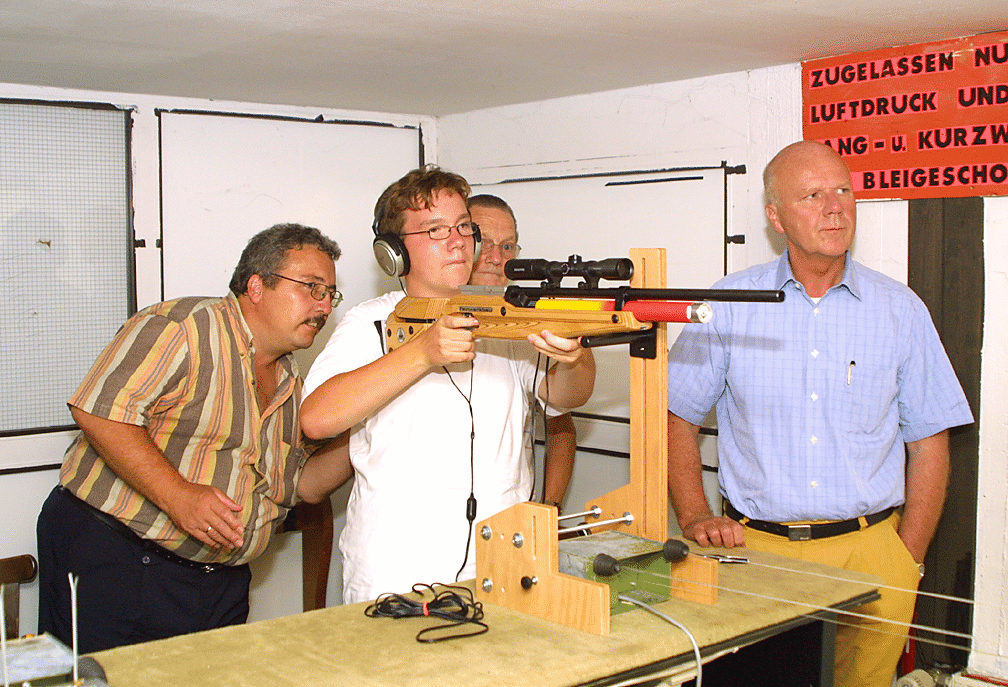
column 319, row 320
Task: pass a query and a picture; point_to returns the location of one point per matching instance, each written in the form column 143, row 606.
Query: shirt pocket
column 868, row 392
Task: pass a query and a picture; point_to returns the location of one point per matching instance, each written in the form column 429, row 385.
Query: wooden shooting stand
column 517, row 549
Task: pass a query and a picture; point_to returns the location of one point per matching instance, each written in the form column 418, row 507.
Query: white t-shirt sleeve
column 354, row 343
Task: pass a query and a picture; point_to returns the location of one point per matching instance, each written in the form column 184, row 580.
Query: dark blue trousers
column 127, row 593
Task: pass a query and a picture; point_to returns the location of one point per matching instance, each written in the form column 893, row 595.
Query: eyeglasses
column 508, row 249
column 443, row 231
column 318, row 291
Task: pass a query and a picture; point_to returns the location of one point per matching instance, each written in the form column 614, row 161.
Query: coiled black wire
column 449, row 602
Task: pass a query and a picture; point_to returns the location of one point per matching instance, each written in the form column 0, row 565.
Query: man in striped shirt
column 189, row 453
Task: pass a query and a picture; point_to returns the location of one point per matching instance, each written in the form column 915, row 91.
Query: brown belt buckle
column 799, row 532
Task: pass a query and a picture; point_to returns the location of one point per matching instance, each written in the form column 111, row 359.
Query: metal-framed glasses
column 508, row 249
column 443, row 231
column 318, row 291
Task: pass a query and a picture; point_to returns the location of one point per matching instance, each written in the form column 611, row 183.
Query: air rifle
column 600, row 316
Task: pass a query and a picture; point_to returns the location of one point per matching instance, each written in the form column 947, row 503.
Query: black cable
column 532, row 426
column 449, row 602
column 471, row 501
column 545, row 428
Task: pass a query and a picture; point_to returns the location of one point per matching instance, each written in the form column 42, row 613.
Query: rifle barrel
column 526, row 296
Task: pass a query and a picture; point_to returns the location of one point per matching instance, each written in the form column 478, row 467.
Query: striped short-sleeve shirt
column 183, row 369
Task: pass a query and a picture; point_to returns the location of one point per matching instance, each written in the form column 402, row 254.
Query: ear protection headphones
column 477, row 242
column 391, row 253
column 389, row 250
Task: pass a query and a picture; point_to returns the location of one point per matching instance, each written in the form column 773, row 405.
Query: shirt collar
column 244, row 333
column 851, row 280
column 246, row 343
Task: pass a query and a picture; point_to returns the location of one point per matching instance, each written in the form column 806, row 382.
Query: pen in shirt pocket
column 850, row 371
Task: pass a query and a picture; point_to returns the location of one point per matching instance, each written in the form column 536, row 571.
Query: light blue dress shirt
column 816, row 399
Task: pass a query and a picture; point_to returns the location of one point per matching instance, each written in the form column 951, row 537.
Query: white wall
column 746, row 117
column 990, row 623
column 277, row 576
column 735, row 117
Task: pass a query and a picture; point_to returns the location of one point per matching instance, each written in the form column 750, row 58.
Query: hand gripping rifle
column 599, row 316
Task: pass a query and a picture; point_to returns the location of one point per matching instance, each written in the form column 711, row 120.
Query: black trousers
column 126, row 593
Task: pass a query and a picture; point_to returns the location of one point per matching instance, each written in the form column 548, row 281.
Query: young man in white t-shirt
column 437, row 422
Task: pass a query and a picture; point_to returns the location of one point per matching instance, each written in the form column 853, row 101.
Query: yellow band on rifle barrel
column 569, row 304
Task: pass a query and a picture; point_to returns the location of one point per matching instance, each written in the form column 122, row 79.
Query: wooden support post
column 646, row 496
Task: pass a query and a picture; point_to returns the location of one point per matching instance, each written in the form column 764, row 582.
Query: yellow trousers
column 867, row 650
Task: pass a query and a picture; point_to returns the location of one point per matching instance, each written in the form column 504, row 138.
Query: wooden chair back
column 14, row 571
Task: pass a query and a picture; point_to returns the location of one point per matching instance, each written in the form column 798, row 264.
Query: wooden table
column 340, row 646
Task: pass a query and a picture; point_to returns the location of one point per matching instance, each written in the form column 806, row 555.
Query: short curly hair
column 415, row 191
column 266, row 251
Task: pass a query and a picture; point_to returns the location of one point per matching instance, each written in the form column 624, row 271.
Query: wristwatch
column 920, row 566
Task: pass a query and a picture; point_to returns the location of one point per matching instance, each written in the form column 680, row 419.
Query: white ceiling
column 438, row 57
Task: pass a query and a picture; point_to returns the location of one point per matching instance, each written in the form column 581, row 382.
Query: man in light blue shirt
column 833, row 409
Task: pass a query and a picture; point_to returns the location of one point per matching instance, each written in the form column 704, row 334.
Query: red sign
column 922, row 121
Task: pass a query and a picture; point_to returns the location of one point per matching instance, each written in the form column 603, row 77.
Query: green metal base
column 644, row 573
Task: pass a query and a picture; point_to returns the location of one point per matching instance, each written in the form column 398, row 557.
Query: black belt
column 807, row 532
column 120, row 528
